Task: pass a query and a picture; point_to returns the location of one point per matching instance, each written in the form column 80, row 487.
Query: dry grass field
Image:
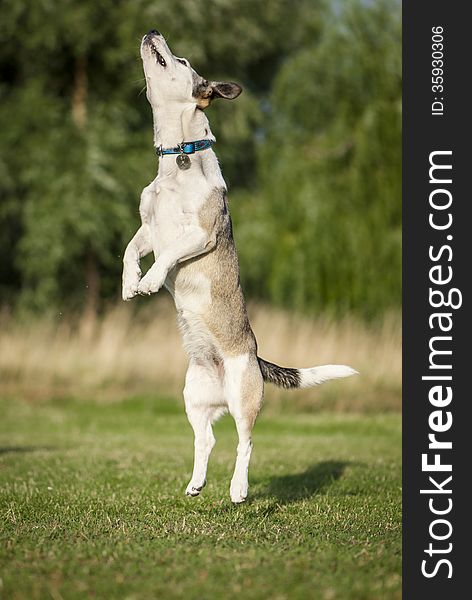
column 135, row 349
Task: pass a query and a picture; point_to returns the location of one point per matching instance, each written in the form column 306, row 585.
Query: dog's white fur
column 185, row 218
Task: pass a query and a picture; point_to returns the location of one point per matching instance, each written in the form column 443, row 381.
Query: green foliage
column 92, row 505
column 310, row 150
column 327, row 214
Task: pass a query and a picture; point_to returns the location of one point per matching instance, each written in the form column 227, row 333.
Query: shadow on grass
column 300, row 486
column 24, row 449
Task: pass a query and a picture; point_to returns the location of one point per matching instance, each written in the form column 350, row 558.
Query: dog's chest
column 171, row 210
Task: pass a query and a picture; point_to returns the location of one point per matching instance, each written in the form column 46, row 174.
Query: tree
column 328, row 209
column 76, row 145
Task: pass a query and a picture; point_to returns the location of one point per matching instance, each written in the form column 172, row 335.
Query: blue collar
column 185, row 148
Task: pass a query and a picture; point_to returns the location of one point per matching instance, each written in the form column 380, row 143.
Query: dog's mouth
column 149, row 42
column 159, row 58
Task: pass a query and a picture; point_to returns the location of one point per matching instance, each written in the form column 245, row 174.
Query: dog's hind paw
column 194, row 489
column 238, row 491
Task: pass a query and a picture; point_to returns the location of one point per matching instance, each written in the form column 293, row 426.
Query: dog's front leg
column 195, row 242
column 138, row 247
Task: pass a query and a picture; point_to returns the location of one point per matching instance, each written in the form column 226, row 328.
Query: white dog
column 186, row 224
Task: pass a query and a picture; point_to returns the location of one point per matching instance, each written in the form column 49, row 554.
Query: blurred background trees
column 311, row 150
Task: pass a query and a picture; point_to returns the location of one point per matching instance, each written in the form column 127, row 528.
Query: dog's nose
column 154, row 32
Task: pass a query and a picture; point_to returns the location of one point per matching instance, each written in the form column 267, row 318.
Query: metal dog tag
column 183, row 162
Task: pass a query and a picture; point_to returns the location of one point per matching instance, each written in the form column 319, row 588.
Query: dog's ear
column 227, row 90
column 205, row 91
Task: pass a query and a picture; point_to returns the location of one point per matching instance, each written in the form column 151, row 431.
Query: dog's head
column 170, row 79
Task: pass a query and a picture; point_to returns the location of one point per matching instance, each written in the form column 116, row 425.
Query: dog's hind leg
column 244, row 390
column 203, row 396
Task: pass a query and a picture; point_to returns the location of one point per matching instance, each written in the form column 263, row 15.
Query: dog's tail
column 302, row 378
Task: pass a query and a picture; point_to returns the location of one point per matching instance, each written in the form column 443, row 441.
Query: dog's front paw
column 129, row 290
column 152, row 281
column 131, row 277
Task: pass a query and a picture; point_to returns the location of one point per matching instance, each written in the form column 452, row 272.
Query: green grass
column 92, row 505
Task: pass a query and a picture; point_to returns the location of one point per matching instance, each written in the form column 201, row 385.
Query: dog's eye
column 182, row 62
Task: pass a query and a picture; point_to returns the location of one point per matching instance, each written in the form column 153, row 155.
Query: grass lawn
column 92, row 505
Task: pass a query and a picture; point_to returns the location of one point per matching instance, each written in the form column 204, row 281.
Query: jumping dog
column 187, row 225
